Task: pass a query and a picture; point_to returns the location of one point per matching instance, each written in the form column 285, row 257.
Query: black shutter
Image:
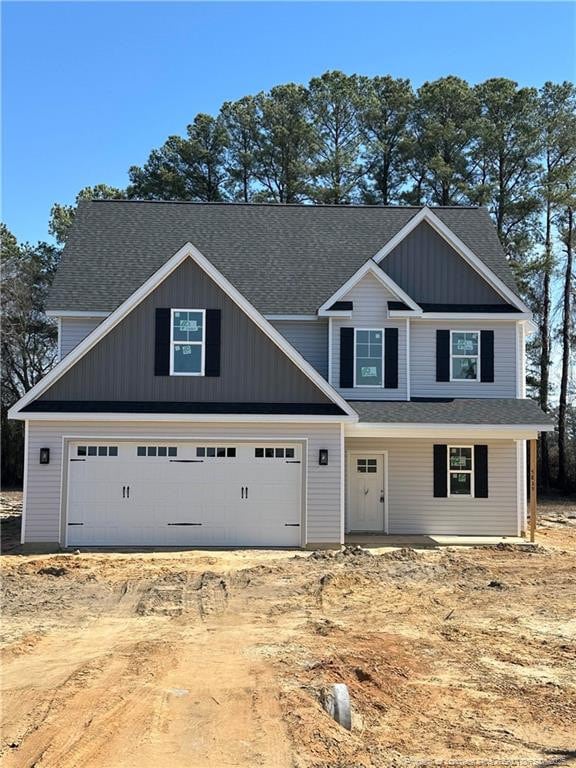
column 391, row 358
column 162, row 343
column 346, row 357
column 213, row 333
column 481, row 471
column 442, row 355
column 486, row 355
column 440, row 471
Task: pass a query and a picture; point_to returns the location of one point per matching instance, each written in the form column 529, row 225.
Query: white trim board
column 75, row 313
column 187, row 251
column 463, row 431
column 216, row 418
column 368, row 267
column 425, row 214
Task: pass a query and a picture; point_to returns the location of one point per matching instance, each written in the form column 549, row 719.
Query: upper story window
column 187, row 342
column 368, row 357
column 465, row 355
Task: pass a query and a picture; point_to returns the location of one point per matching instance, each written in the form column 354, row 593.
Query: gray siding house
column 279, row 375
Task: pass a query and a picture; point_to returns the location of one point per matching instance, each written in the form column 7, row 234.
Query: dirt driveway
column 204, row 659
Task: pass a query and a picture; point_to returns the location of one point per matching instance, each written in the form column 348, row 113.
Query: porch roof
column 447, row 411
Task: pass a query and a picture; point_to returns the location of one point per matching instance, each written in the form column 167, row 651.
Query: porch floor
column 426, row 541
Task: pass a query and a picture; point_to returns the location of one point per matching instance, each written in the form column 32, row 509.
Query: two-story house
column 279, row 375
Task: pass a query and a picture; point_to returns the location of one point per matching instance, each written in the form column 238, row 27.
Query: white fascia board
column 403, row 313
column 486, row 316
column 372, row 268
column 75, row 313
column 291, row 317
column 187, row 251
column 216, row 418
column 345, row 315
column 484, row 431
column 460, row 247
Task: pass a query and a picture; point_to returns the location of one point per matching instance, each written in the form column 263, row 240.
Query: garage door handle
column 128, row 491
column 75, row 523
column 292, row 525
column 242, row 492
column 246, row 491
column 123, row 491
column 77, row 459
column 293, row 462
column 186, row 461
column 183, row 523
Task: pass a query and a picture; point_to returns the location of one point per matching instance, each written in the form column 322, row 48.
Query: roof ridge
column 311, row 206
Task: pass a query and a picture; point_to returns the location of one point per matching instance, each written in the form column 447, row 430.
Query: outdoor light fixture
column 323, row 457
column 44, row 455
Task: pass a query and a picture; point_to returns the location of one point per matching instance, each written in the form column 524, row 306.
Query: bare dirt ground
column 213, row 659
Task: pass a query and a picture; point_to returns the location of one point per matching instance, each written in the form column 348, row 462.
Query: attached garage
column 170, row 493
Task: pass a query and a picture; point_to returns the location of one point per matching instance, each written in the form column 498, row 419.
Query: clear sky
column 90, row 88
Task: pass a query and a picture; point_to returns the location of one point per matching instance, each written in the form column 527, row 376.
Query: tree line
column 349, row 139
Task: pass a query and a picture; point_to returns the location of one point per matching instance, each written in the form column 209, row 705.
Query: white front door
column 366, row 497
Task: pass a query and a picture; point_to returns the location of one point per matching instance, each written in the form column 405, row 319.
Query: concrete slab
column 425, row 541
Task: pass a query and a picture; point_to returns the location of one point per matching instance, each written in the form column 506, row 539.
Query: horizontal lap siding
column 310, row 338
column 73, row 330
column 412, row 508
column 423, row 360
column 370, row 300
column 44, row 481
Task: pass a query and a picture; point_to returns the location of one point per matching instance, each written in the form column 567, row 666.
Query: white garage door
column 184, row 494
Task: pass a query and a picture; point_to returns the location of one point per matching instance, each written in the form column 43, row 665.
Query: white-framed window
column 368, row 357
column 461, row 470
column 187, row 342
column 464, row 355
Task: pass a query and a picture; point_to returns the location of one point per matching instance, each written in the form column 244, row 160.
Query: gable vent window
column 156, row 450
column 216, row 453
column 465, row 353
column 97, row 450
column 274, row 453
column 187, row 342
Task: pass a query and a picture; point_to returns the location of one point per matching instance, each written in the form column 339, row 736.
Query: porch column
column 533, row 499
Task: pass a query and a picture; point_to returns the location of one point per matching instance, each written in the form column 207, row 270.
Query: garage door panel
column 203, row 495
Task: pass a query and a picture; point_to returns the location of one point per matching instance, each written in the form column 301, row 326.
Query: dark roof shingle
column 285, row 259
column 452, row 411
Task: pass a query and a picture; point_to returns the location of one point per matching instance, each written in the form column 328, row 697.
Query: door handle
column 382, row 496
column 128, row 491
column 123, row 491
column 246, row 491
column 242, row 492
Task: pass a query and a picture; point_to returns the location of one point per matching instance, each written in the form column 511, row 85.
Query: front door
column 367, row 502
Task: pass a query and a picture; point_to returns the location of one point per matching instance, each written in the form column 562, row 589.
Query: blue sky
column 90, row 88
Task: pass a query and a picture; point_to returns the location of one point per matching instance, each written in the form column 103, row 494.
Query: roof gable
column 187, row 277
column 432, row 271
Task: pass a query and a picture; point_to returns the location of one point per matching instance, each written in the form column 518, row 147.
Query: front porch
column 391, row 541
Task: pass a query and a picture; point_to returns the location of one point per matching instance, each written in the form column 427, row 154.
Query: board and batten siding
column 370, row 300
column 310, row 338
column 121, row 365
column 46, row 482
column 423, row 360
column 73, row 330
column 430, row 270
column 412, row 507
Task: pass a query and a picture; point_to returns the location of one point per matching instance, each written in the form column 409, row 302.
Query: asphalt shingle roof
column 285, row 259
column 457, row 411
